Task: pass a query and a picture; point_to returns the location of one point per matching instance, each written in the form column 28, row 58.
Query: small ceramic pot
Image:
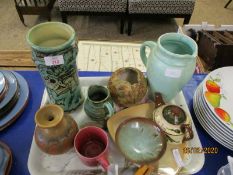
column 54, row 132
column 98, row 105
column 127, row 86
column 173, row 120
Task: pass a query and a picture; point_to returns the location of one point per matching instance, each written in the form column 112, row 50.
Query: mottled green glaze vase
column 54, row 52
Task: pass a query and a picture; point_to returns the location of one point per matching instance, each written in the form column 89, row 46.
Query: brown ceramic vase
column 54, row 132
column 127, row 86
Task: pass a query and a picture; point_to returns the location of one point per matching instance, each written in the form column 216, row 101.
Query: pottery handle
column 103, row 161
column 158, row 100
column 151, row 45
column 188, row 132
column 109, row 108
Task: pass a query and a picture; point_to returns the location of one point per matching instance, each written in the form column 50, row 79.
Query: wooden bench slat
column 16, row 59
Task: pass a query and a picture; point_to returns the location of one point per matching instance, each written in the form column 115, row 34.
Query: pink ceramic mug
column 91, row 144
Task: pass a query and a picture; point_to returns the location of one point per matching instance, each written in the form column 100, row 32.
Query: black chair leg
column 129, row 26
column 227, row 3
column 49, row 16
column 64, row 17
column 187, row 19
column 122, row 24
column 20, row 15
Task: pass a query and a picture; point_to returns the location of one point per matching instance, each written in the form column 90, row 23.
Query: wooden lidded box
column 216, row 48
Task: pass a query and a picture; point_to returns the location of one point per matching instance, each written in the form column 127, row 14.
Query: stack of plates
column 14, row 93
column 5, row 159
column 213, row 105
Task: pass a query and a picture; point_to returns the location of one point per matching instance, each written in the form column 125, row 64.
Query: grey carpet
column 13, row 32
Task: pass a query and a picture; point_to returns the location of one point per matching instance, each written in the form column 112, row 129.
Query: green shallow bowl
column 141, row 140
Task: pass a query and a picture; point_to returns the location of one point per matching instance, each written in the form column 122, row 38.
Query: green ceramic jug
column 170, row 64
column 54, row 52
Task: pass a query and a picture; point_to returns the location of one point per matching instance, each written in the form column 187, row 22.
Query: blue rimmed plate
column 5, row 159
column 3, row 86
column 2, row 82
column 15, row 112
column 12, row 93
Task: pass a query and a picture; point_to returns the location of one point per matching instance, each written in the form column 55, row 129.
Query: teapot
column 173, row 120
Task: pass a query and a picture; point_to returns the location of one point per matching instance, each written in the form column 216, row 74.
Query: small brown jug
column 54, row 132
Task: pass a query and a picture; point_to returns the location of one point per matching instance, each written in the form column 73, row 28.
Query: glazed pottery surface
column 12, row 94
column 127, row 86
column 91, row 144
column 2, row 82
column 5, row 159
column 54, row 52
column 98, row 104
column 173, row 120
column 54, row 132
column 141, row 140
column 3, row 86
column 146, row 110
column 21, row 103
column 170, row 64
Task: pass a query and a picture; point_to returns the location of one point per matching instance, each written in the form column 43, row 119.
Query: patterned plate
column 209, row 122
column 218, row 93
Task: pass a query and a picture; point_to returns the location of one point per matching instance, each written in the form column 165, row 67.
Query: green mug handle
column 110, row 109
column 151, row 45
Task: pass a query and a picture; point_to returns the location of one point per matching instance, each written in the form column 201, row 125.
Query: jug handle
column 151, row 45
column 109, row 108
column 158, row 100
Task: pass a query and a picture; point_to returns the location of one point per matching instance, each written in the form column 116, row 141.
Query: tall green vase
column 54, row 52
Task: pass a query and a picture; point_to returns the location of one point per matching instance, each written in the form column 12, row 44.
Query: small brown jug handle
column 188, row 132
column 158, row 100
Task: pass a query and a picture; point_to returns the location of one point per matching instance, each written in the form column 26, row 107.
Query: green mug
column 54, row 52
column 98, row 104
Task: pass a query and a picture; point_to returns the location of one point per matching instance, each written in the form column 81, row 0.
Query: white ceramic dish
column 212, row 128
column 224, row 81
column 215, row 123
column 40, row 163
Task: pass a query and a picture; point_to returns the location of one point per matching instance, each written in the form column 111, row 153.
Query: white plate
column 209, row 130
column 211, row 116
column 224, row 77
column 209, row 126
column 222, row 125
column 40, row 163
